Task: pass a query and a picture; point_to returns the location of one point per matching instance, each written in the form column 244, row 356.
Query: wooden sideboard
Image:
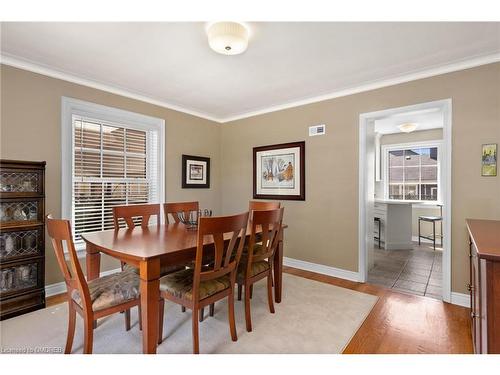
column 484, row 243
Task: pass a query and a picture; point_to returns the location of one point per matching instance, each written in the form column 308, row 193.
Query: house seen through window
column 413, row 173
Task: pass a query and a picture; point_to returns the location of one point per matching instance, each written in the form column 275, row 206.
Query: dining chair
column 134, row 215
column 94, row 299
column 257, row 206
column 173, row 208
column 205, row 284
column 257, row 264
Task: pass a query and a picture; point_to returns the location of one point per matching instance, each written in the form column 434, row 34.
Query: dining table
column 148, row 249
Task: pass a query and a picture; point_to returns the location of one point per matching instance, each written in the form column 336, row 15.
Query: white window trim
column 71, row 107
column 399, row 146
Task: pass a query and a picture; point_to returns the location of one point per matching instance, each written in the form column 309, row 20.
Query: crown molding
column 34, row 67
column 16, row 62
column 426, row 73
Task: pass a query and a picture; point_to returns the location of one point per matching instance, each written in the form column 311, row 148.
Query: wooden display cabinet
column 22, row 237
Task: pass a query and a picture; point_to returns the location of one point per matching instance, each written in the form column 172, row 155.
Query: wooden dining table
column 149, row 248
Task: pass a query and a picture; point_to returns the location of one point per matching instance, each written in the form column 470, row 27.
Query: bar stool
column 433, row 220
column 377, row 220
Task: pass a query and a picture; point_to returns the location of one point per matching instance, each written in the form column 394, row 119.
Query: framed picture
column 279, row 171
column 195, row 172
column 489, row 159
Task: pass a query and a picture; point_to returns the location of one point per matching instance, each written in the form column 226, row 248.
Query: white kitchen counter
column 396, row 223
column 414, row 203
column 387, row 201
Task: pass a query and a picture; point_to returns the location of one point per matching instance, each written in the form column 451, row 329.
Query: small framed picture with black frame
column 195, row 172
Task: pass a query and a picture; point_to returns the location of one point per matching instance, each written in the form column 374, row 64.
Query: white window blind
column 109, row 157
column 107, row 163
column 113, row 165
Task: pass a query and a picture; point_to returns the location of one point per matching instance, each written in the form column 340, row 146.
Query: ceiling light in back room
column 228, row 38
column 407, row 127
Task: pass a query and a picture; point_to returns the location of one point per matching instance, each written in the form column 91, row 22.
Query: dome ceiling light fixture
column 407, row 127
column 228, row 38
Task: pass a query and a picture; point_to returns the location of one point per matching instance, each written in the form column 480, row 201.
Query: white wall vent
column 317, row 130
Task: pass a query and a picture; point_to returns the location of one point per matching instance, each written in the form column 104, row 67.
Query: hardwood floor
column 402, row 323
column 55, row 300
column 398, row 324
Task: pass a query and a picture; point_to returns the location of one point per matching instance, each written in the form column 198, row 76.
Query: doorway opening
column 405, row 199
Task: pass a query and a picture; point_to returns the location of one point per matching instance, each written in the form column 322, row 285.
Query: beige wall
column 31, row 130
column 324, row 228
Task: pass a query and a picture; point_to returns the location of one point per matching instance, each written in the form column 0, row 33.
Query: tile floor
column 417, row 271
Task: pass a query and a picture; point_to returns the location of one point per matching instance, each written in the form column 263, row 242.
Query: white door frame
column 364, row 238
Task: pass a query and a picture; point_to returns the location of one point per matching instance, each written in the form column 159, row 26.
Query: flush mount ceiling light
column 408, row 127
column 228, row 38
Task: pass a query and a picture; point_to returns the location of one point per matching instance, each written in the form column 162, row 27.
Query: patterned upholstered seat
column 164, row 270
column 180, row 284
column 257, row 267
column 257, row 250
column 111, row 290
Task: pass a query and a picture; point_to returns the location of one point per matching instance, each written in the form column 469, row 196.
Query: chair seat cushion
column 257, row 249
column 111, row 290
column 180, row 284
column 257, row 267
column 164, row 270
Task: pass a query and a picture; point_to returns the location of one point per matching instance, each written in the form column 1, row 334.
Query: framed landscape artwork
column 279, row 171
column 195, row 172
column 489, row 160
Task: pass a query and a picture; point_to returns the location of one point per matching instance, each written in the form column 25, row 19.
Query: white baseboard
column 59, row 288
column 460, row 299
column 320, row 268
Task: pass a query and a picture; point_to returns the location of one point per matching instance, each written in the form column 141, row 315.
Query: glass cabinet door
column 17, row 277
column 23, row 211
column 18, row 182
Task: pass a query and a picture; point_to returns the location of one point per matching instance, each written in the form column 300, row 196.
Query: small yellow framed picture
column 489, row 160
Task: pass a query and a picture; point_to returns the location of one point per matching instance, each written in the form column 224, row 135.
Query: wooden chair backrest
column 225, row 231
column 142, row 211
column 174, row 208
column 263, row 206
column 270, row 221
column 60, row 232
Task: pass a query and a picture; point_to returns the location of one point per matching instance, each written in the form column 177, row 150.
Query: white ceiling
column 285, row 64
column 426, row 119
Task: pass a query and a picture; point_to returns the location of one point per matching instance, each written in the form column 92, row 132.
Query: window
column 111, row 158
column 412, row 172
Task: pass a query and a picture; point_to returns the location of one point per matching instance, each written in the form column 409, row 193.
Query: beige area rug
column 312, row 318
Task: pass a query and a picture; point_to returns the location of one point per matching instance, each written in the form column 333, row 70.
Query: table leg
column 278, row 269
column 93, row 262
column 150, row 294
